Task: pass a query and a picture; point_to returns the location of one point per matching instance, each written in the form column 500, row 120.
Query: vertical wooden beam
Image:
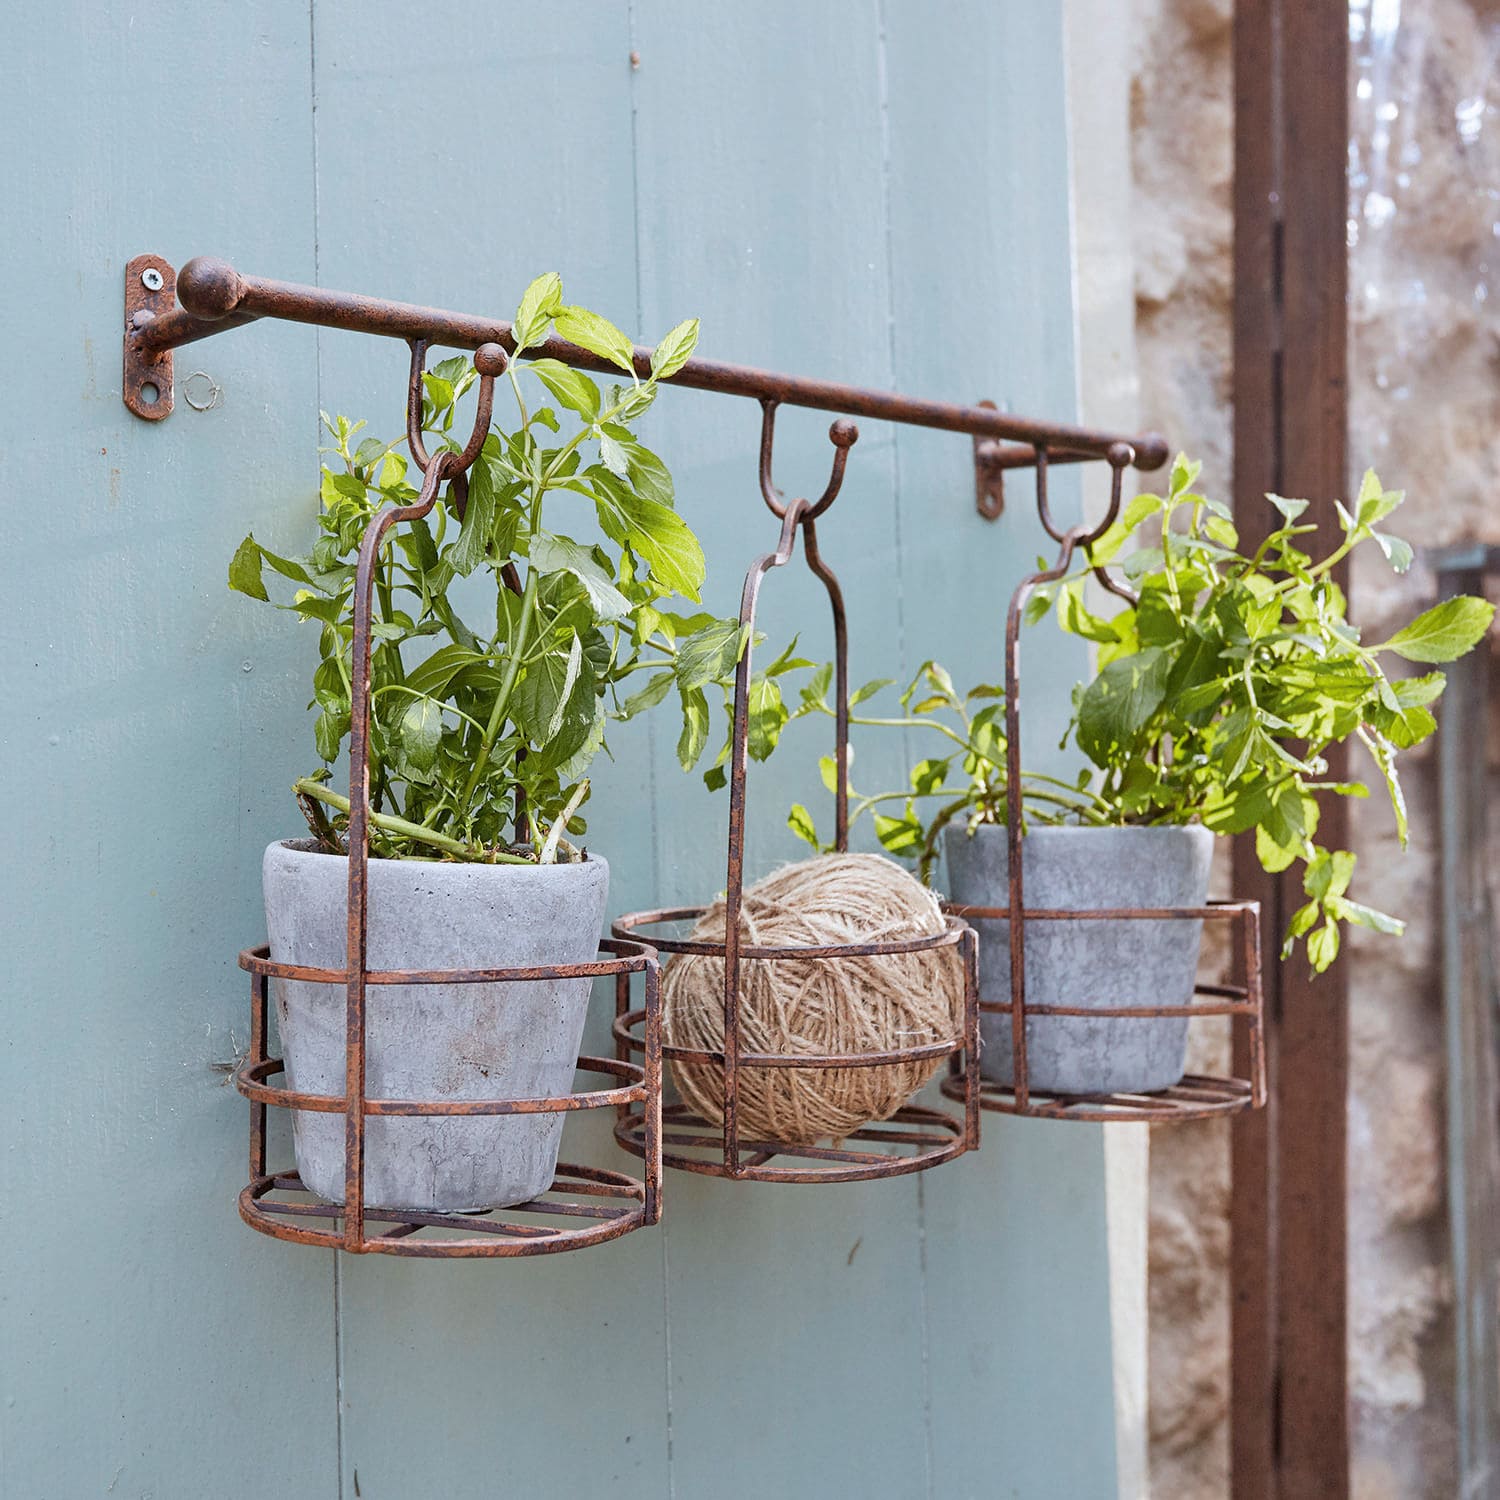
column 1289, row 1406
column 1256, row 388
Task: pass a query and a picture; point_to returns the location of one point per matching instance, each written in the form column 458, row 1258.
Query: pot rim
column 1159, row 830
column 304, row 847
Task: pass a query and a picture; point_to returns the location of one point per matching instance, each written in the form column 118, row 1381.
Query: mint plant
column 1217, row 695
column 573, row 521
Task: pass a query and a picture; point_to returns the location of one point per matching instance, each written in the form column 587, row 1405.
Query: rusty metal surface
column 275, row 1203
column 721, row 1151
column 215, row 297
column 150, row 293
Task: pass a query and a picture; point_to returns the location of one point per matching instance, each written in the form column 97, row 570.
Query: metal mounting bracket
column 989, row 478
column 150, row 292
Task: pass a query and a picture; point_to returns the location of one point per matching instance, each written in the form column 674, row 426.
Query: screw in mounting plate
column 151, row 279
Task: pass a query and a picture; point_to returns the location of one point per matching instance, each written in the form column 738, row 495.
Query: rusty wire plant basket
column 915, row 1137
column 585, row 1205
column 1196, row 1095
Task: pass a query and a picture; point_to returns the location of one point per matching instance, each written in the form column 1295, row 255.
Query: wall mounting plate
column 989, row 479
column 150, row 291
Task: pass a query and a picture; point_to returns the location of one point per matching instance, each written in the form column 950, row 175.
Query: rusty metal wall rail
column 214, row 297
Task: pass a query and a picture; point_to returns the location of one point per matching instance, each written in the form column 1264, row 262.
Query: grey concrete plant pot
column 1101, row 964
column 435, row 1041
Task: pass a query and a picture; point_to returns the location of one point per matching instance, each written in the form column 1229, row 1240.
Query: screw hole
column 150, row 395
column 152, row 279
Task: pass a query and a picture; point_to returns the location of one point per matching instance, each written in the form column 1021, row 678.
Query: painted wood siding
column 867, row 191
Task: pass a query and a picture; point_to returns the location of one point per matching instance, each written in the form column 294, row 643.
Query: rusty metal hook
column 843, row 435
column 490, row 360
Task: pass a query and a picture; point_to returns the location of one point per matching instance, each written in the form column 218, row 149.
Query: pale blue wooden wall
column 869, row 191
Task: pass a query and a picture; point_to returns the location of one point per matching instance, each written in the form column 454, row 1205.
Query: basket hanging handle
column 1119, row 456
column 490, row 361
column 794, row 515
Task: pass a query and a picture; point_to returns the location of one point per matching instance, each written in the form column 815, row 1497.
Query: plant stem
column 306, row 787
column 507, row 687
column 549, row 847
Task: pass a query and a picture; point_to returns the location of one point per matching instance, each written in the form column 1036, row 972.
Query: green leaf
column 421, row 731
column 694, row 727
column 868, row 690
column 1290, row 509
column 1397, row 552
column 711, row 655
column 900, row 836
column 540, row 303
column 648, row 474
column 541, row 697
column 1272, row 856
column 598, row 335
column 1367, row 916
column 767, row 716
column 560, row 554
column 1414, row 691
column 328, row 735
column 612, row 456
column 1120, row 701
column 569, row 386
column 666, row 544
column 1444, row 632
column 1323, row 946
column 800, row 821
column 674, row 350
column 479, row 518
column 244, row 570
column 649, row 696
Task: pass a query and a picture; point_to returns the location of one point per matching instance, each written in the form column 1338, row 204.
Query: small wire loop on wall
column 937, row 1136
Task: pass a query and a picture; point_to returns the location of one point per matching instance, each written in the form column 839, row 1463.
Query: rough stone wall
column 1425, row 412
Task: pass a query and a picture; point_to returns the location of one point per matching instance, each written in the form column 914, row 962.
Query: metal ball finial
column 843, row 433
column 209, row 287
column 491, row 360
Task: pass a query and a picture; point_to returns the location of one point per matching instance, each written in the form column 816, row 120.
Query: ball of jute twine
column 873, row 1003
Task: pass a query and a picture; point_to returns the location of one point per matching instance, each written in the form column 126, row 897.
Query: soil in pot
column 435, row 1041
column 1102, row 965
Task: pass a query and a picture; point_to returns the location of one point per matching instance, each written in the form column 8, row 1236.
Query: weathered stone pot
column 1098, row 964
column 435, row 1041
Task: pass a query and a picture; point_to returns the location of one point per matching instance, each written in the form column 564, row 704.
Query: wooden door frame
column 1289, row 1425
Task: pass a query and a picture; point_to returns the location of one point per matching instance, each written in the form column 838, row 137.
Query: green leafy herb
column 470, row 721
column 1218, row 693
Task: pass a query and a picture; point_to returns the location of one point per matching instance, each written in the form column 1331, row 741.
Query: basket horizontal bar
column 634, row 961
column 1128, row 1012
column 1214, row 911
column 1196, row 1096
column 629, row 926
column 250, row 1080
column 214, row 297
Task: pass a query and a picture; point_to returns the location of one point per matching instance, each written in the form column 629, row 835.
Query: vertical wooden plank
column 1256, row 386
column 502, row 152
column 1292, row 134
column 1016, row 1245
column 796, row 1337
column 1469, row 988
column 1313, row 1043
column 151, row 1342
